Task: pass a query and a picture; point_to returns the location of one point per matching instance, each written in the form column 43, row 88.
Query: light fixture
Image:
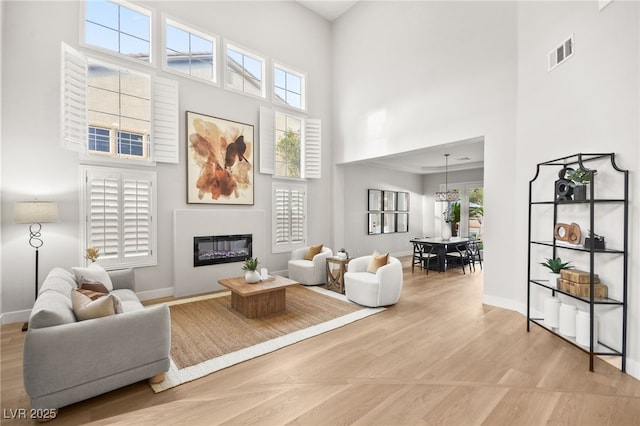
column 36, row 213
column 447, row 195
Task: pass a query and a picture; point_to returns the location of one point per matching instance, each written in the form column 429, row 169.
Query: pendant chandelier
column 447, row 195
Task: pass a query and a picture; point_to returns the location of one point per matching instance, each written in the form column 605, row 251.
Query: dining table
column 441, row 247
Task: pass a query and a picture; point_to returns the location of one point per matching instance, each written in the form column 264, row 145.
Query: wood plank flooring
column 438, row 357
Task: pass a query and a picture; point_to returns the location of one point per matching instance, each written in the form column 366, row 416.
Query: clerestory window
column 116, row 26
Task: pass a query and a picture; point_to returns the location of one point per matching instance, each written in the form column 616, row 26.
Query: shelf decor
column 581, row 292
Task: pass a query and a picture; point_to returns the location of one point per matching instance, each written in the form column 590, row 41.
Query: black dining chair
column 422, row 256
column 460, row 253
column 475, row 255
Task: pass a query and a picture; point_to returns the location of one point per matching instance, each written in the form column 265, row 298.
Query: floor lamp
column 36, row 213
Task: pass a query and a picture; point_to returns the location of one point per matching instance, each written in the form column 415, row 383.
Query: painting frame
column 220, row 160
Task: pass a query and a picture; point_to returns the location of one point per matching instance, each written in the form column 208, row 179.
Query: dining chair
column 422, row 256
column 460, row 253
column 474, row 253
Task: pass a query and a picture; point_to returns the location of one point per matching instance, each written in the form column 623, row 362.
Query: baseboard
column 15, row 316
column 501, row 302
column 156, row 294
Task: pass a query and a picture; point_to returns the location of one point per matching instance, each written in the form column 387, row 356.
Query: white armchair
column 309, row 272
column 380, row 289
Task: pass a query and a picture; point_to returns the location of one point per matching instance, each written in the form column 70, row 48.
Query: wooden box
column 577, row 276
column 582, row 290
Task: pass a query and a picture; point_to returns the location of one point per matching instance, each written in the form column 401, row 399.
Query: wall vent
column 561, row 53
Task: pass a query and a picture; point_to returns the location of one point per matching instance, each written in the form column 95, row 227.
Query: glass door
column 466, row 215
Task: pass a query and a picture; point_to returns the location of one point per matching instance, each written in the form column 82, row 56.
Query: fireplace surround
column 218, row 249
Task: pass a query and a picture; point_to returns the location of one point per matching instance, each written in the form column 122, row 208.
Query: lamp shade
column 35, row 212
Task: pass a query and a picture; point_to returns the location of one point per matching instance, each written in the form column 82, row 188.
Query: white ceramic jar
column 567, row 323
column 552, row 311
column 583, row 328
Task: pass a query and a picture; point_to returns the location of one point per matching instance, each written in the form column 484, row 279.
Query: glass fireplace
column 212, row 250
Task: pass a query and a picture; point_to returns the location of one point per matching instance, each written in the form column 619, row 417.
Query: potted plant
column 250, row 266
column 555, row 265
column 580, row 179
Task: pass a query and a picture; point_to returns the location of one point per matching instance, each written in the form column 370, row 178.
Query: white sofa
column 66, row 361
column 309, row 272
column 368, row 289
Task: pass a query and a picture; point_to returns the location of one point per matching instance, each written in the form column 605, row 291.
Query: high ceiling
column 463, row 155
column 329, row 10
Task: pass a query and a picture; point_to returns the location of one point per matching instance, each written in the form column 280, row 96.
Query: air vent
column 561, row 53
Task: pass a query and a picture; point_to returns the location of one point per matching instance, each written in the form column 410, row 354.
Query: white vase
column 553, row 279
column 445, row 233
column 252, row 277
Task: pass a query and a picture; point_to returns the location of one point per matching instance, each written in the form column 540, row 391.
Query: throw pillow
column 96, row 287
column 377, row 260
column 94, row 274
column 312, row 251
column 84, row 308
column 93, row 295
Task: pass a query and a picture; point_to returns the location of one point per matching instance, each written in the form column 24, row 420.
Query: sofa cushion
column 93, row 274
column 84, row 308
column 128, row 300
column 377, row 260
column 50, row 309
column 59, row 280
column 312, row 251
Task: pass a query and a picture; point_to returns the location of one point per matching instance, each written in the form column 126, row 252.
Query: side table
column 335, row 276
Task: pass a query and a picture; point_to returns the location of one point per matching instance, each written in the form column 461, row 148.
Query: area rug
column 207, row 335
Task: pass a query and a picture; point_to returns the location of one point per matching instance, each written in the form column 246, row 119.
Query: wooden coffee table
column 256, row 300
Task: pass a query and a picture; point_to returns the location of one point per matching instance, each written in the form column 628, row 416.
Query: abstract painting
column 219, row 160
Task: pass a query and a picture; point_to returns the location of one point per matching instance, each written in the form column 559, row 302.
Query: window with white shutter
column 289, row 217
column 290, row 145
column 118, row 208
column 138, row 111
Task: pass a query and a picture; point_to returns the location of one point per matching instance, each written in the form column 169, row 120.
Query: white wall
column 409, row 75
column 359, row 179
column 590, row 103
column 34, row 164
column 446, row 71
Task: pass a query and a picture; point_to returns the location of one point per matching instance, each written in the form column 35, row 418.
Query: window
column 290, row 145
column 289, row 227
column 244, row 71
column 118, row 206
column 288, row 87
column 117, row 113
column 118, row 26
column 190, row 52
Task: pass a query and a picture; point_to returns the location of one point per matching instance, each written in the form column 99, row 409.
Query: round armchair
column 381, row 288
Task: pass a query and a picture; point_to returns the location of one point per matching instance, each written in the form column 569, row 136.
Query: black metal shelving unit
column 583, row 161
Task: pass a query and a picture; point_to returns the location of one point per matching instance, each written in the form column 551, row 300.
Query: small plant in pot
column 579, row 178
column 555, row 265
column 250, row 267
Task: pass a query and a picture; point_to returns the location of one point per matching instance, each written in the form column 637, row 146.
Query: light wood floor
column 438, row 357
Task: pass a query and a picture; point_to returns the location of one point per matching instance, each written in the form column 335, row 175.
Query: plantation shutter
column 297, row 206
column 103, row 218
column 73, row 87
column 165, row 139
column 282, row 216
column 267, row 141
column 137, row 217
column 289, row 217
column 312, row 144
column 119, row 210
